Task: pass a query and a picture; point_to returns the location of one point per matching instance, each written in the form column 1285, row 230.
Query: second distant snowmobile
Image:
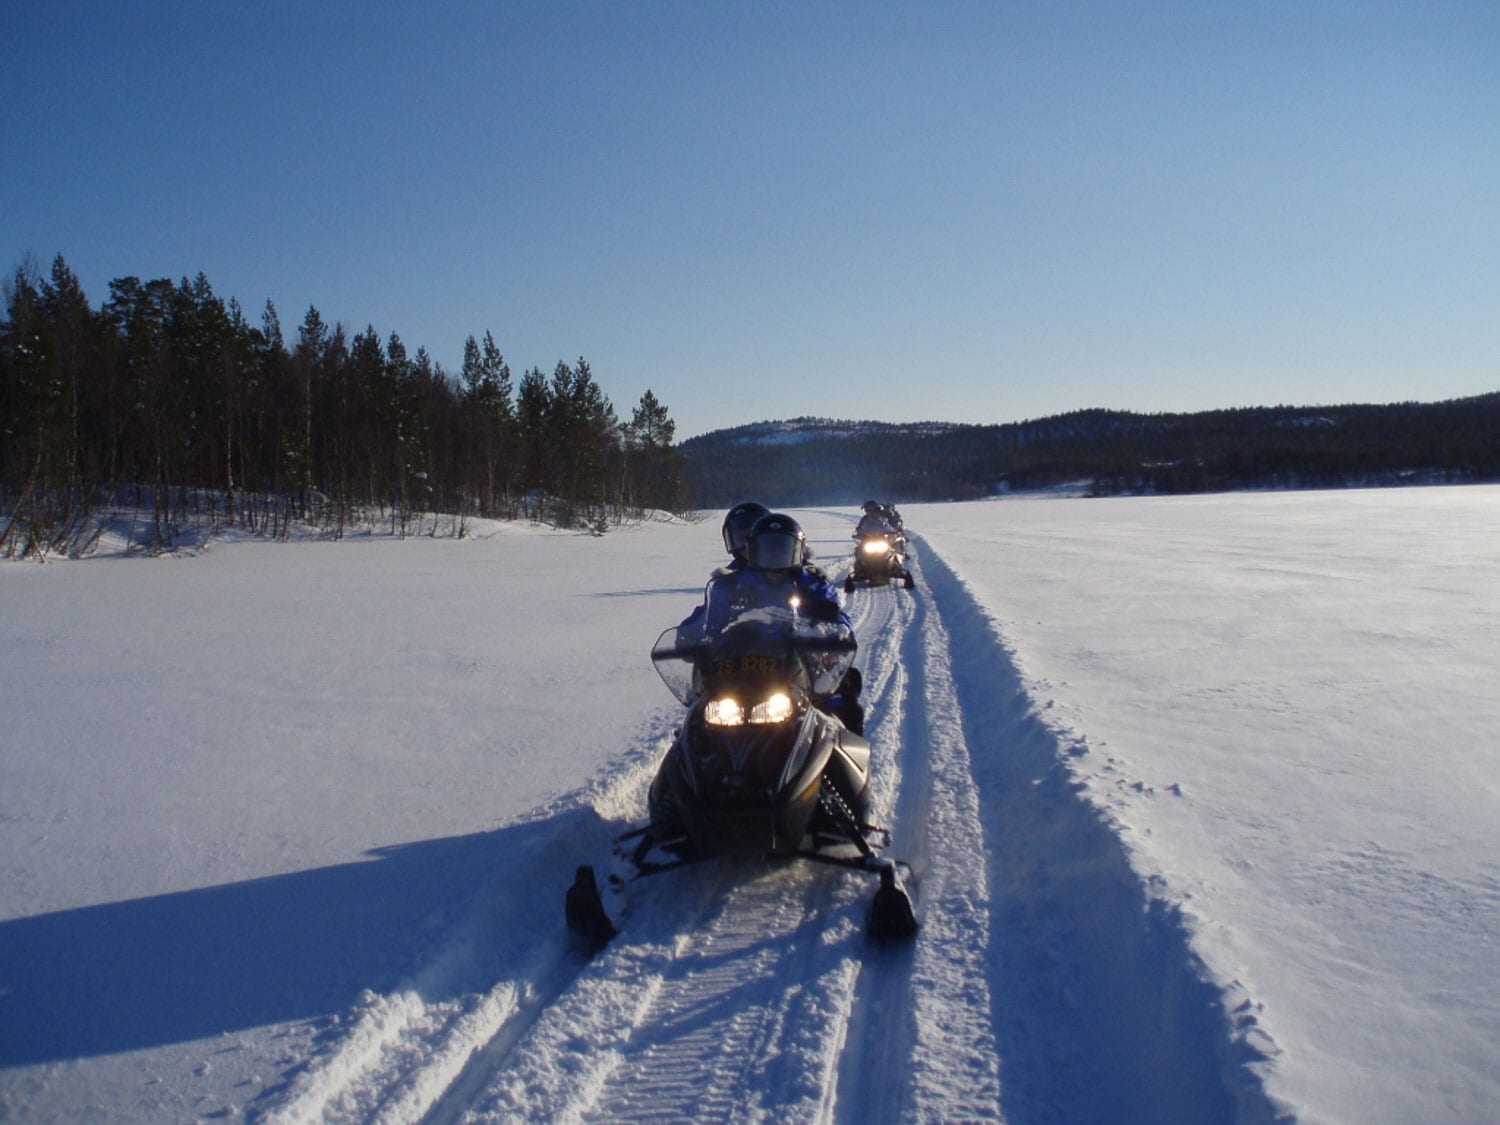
column 879, row 560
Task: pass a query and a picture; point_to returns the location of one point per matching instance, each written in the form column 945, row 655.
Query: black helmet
column 776, row 543
column 737, row 525
column 871, row 507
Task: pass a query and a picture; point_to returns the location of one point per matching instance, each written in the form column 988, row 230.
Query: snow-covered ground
column 1200, row 793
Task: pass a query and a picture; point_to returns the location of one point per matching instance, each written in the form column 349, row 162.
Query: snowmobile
column 879, row 560
column 759, row 768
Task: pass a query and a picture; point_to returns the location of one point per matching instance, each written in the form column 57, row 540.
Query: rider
column 777, row 544
column 873, row 522
column 771, row 551
column 736, row 529
column 739, row 522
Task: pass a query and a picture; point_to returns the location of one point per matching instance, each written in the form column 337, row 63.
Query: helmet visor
column 775, row 550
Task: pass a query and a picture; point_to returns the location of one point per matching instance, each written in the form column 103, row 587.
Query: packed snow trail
column 1044, row 985
column 731, row 991
column 925, row 1012
column 764, row 998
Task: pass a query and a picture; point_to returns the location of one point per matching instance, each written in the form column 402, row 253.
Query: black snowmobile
column 759, row 768
column 879, row 560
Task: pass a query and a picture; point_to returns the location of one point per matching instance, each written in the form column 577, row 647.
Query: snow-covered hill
column 1199, row 793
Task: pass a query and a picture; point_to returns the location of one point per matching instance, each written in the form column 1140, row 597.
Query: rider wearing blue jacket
column 773, row 545
column 774, row 569
column 776, row 544
column 812, row 586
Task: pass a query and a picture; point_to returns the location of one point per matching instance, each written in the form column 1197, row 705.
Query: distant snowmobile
column 758, row 768
column 879, row 560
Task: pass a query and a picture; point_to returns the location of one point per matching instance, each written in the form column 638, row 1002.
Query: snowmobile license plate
column 750, row 665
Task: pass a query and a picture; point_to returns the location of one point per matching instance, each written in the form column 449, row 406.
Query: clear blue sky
column 976, row 212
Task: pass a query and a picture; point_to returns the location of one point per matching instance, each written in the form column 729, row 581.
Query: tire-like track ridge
column 402, row 1055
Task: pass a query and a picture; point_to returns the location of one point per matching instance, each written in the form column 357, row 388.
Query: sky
column 969, row 212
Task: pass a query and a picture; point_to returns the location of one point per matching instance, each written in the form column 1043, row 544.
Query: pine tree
column 584, row 434
column 36, row 417
column 653, row 475
column 491, row 420
column 533, row 407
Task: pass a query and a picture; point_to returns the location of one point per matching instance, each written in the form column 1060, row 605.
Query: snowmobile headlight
column 724, row 712
column 875, row 547
column 727, row 712
column 777, row 709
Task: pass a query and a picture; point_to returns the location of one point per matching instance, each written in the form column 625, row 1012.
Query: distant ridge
column 807, row 460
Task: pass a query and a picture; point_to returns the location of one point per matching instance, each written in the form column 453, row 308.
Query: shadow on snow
column 302, row 946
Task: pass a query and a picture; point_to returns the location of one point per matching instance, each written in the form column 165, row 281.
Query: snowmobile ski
column 585, row 910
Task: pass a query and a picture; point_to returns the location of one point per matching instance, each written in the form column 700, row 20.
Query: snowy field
column 1201, row 795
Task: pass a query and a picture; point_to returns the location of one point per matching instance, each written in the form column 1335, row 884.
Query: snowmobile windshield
column 750, row 627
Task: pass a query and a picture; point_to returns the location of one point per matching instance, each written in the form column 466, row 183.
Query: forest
column 166, row 399
column 1100, row 453
column 168, row 403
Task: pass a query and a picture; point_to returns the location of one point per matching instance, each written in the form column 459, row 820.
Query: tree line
column 1102, row 452
column 168, row 398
